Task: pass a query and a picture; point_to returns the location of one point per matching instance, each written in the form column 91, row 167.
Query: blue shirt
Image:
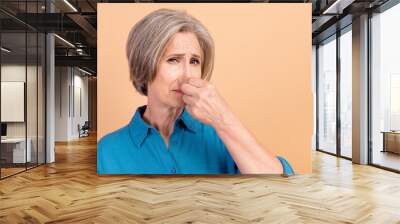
column 194, row 148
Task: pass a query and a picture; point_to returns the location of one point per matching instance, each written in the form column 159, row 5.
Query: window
column 346, row 92
column 327, row 95
column 385, row 88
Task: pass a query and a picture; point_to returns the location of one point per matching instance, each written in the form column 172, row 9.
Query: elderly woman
column 186, row 126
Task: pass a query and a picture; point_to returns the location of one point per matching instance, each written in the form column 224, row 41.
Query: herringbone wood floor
column 69, row 191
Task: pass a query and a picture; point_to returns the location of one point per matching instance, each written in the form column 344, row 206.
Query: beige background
column 262, row 69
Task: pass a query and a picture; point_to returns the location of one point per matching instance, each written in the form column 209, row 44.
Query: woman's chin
column 177, row 102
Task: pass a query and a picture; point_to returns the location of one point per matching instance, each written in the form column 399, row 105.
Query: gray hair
column 148, row 38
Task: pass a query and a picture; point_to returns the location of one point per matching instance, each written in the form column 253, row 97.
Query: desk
column 17, row 149
column 391, row 141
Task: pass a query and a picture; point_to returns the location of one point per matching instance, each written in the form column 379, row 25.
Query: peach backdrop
column 262, row 69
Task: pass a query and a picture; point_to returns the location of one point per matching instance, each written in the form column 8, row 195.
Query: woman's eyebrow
column 181, row 55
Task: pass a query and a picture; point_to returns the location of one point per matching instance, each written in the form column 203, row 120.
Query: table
column 15, row 146
column 391, row 141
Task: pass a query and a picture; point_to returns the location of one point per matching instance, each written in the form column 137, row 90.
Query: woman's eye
column 195, row 61
column 172, row 60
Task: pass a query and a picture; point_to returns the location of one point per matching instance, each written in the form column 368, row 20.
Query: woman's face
column 182, row 59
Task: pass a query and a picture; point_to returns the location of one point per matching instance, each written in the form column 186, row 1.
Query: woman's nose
column 187, row 71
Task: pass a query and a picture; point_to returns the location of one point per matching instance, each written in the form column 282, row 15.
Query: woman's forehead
column 183, row 43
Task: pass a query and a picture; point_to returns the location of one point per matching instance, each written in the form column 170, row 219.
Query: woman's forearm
column 205, row 103
column 248, row 154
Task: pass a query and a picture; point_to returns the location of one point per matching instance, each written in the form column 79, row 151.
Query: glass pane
column 346, row 94
column 31, row 85
column 327, row 96
column 41, row 98
column 13, row 86
column 31, row 100
column 22, row 88
column 386, row 88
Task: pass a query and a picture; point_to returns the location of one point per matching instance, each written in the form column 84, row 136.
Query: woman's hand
column 205, row 103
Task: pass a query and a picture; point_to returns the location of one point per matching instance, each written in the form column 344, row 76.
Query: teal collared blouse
column 194, row 148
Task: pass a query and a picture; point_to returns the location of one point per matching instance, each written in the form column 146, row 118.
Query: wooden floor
column 388, row 159
column 10, row 171
column 69, row 191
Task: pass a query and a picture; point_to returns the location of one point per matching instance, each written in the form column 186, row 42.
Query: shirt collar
column 139, row 128
column 190, row 123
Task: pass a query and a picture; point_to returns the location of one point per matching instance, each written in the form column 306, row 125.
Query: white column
column 50, row 110
column 50, row 93
column 360, row 90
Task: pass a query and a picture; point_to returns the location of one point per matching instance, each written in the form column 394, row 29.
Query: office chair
column 84, row 130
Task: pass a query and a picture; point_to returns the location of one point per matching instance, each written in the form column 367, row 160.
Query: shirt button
column 173, row 170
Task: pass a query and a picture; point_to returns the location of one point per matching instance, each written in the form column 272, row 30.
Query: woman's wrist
column 230, row 129
column 226, row 122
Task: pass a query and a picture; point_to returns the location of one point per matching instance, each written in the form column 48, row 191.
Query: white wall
column 70, row 83
column 80, row 84
column 62, row 81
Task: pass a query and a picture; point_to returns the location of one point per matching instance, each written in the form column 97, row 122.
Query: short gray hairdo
column 148, row 38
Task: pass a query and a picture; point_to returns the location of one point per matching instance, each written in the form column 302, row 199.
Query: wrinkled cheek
column 197, row 73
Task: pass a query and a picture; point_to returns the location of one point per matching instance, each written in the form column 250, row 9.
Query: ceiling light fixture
column 337, row 7
column 84, row 71
column 70, row 5
column 64, row 40
column 5, row 49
